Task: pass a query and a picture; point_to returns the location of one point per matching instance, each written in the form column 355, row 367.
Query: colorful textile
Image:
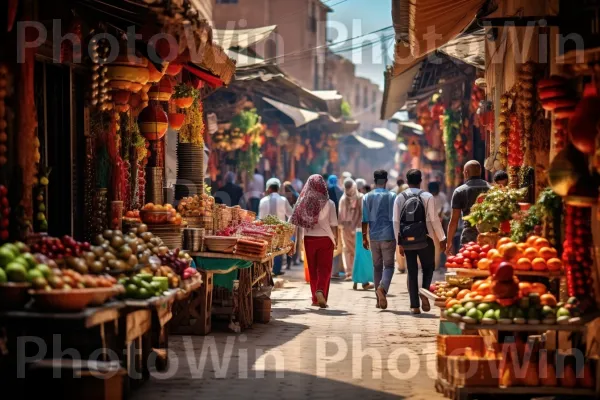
column 312, row 200
column 362, row 271
column 225, row 271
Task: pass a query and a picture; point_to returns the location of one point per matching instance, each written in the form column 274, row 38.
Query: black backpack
column 413, row 222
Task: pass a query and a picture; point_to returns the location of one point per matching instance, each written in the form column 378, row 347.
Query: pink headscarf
column 312, row 200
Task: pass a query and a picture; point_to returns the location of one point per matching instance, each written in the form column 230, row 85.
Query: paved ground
column 350, row 350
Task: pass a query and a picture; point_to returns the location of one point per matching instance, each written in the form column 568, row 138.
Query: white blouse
column 327, row 219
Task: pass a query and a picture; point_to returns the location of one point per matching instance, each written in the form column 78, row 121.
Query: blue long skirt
column 362, row 271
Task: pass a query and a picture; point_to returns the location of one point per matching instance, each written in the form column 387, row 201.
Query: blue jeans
column 277, row 261
column 384, row 253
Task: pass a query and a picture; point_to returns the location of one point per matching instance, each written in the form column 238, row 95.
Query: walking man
column 275, row 204
column 462, row 200
column 417, row 225
column 378, row 234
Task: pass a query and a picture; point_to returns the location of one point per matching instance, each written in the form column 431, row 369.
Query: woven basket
column 271, row 243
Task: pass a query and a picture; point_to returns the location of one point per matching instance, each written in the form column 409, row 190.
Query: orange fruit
column 548, row 252
column 461, row 295
column 522, row 247
column 531, row 240
column 539, row 264
column 484, row 289
column 539, row 288
column 490, row 298
column 525, row 288
column 548, row 300
column 484, row 264
column 523, row 264
column 509, row 251
column 554, row 264
column 541, row 242
column 451, row 302
column 502, row 241
column 476, row 285
column 531, row 253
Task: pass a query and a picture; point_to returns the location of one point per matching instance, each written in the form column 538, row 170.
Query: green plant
column 182, row 90
column 521, row 228
column 250, row 158
column 245, row 120
column 494, row 207
column 346, row 109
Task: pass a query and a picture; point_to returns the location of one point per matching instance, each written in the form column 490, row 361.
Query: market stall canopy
column 268, row 80
column 361, row 141
column 298, row 115
column 397, row 89
column 242, row 38
column 340, row 126
column 468, row 48
column 334, row 101
column 178, row 18
column 243, row 60
column 385, row 133
column 414, row 127
column 416, row 22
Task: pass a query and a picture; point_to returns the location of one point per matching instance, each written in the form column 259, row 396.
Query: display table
column 223, row 270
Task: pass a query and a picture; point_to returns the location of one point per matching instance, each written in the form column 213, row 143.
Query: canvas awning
column 385, row 133
column 244, row 60
column 432, row 23
column 298, row 115
column 369, row 144
column 468, row 48
column 414, row 127
column 397, row 89
column 242, row 38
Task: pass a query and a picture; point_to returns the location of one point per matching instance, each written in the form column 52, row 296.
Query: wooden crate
column 455, row 345
column 463, row 371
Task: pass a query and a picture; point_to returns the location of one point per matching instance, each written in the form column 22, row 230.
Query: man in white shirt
column 407, row 219
column 275, row 204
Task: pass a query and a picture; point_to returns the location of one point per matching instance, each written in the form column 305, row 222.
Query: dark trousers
column 277, row 261
column 427, row 258
column 253, row 204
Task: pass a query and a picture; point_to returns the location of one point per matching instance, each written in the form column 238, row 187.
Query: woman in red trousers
column 316, row 219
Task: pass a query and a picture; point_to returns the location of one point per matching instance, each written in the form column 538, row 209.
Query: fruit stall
column 91, row 243
column 519, row 307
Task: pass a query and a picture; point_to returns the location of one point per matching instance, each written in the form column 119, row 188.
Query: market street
column 292, row 338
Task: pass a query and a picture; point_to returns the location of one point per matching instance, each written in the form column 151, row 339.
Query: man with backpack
column 416, row 223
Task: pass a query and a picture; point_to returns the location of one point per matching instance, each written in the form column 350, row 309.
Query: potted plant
column 183, row 95
column 494, row 209
column 176, row 120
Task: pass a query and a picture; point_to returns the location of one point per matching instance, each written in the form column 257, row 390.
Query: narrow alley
column 349, row 349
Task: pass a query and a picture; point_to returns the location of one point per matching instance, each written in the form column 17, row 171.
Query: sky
column 353, row 18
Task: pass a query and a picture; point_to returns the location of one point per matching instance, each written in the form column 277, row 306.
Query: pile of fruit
column 196, row 206
column 59, row 249
column 173, row 278
column 468, row 256
column 144, row 286
column 177, row 260
column 501, row 298
column 536, row 254
column 18, row 265
column 444, row 290
column 158, row 214
column 132, row 216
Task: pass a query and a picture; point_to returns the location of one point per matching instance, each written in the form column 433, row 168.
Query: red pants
column 319, row 256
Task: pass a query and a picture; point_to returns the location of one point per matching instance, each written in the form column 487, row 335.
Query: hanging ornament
column 163, row 91
column 153, row 122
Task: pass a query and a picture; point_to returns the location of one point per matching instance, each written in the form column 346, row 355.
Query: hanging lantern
column 153, row 122
column 154, row 75
column 121, row 96
column 163, row 91
column 174, row 69
column 176, row 120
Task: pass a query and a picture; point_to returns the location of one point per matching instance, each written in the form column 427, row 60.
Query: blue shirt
column 378, row 212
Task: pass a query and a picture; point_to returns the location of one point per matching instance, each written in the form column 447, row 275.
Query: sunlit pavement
column 351, row 350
